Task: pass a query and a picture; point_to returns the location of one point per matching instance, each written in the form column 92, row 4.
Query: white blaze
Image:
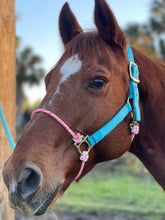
column 70, row 67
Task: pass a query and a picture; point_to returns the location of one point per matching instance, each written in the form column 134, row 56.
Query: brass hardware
column 130, row 72
column 133, row 124
column 84, row 140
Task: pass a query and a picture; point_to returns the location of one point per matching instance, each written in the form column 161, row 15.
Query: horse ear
column 68, row 25
column 107, row 25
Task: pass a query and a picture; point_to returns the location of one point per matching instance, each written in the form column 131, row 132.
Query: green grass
column 115, row 193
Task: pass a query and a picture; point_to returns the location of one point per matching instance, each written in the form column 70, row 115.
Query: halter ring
column 84, row 140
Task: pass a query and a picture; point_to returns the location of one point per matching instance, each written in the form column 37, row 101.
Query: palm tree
column 28, row 70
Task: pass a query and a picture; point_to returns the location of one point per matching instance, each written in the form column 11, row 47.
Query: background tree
column 140, row 36
column 29, row 71
column 158, row 16
column 157, row 23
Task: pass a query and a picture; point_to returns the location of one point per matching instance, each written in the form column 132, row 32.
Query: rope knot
column 84, row 156
column 134, row 130
column 77, row 138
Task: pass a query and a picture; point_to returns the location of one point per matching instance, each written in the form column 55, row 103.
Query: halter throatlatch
column 133, row 107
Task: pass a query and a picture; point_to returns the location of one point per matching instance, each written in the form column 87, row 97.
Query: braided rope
column 84, row 157
column 77, row 138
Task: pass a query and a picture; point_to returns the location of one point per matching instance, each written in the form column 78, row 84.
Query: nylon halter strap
column 92, row 140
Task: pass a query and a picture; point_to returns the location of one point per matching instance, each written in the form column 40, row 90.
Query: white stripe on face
column 71, row 66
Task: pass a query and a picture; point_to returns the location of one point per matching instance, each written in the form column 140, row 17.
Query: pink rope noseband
column 77, row 138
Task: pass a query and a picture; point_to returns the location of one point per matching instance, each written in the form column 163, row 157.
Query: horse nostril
column 30, row 181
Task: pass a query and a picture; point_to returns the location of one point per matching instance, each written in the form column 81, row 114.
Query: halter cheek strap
column 126, row 109
column 90, row 141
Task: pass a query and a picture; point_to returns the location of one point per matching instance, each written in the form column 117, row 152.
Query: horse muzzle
column 27, row 193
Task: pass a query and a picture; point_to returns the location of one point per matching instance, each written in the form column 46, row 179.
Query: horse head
column 86, row 88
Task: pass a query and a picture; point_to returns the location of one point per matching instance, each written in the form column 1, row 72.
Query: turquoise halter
column 107, row 128
column 124, row 111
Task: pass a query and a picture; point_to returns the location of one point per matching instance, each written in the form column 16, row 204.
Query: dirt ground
column 69, row 216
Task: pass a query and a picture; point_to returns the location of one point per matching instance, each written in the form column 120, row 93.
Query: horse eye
column 97, row 83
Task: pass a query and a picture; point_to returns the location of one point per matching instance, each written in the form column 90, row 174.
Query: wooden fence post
column 7, row 91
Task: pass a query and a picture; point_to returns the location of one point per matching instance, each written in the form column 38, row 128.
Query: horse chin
column 38, row 205
column 50, row 199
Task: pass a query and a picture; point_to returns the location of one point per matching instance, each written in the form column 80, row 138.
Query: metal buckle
column 84, row 140
column 130, row 72
column 133, row 124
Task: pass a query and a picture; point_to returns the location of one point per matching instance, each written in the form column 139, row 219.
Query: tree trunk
column 7, row 91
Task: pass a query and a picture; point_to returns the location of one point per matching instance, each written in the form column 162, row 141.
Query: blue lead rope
column 127, row 108
column 6, row 128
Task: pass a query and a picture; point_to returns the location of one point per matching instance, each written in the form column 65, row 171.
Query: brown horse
column 86, row 88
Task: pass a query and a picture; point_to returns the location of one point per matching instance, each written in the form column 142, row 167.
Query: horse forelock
column 88, row 45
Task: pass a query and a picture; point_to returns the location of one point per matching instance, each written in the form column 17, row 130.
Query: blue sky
column 37, row 23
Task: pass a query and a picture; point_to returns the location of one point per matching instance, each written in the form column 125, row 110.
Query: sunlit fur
column 45, row 151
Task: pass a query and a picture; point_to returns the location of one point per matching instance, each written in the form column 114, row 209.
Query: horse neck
column 149, row 145
column 152, row 95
